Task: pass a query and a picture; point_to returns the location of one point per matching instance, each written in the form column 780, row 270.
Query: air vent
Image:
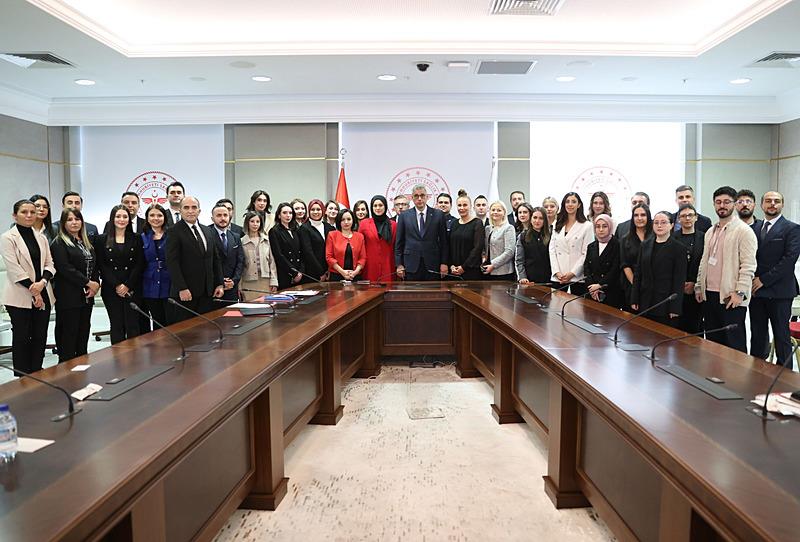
column 778, row 60
column 35, row 60
column 525, row 7
column 505, row 67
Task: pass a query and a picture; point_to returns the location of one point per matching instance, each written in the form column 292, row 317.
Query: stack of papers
column 780, row 403
column 301, row 293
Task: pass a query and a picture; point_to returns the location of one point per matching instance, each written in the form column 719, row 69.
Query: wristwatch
column 741, row 294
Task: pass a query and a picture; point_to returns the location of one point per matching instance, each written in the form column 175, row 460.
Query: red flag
column 341, row 190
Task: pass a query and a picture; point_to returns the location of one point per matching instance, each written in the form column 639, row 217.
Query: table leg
column 561, row 482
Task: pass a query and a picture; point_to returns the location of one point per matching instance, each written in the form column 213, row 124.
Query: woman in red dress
column 378, row 234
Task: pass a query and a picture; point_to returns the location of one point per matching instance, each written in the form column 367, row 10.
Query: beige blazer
column 19, row 266
column 738, row 261
column 568, row 250
column 268, row 268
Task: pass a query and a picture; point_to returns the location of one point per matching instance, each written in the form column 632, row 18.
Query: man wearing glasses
column 691, row 319
column 745, row 205
column 774, row 285
column 421, row 245
column 685, row 194
column 725, row 275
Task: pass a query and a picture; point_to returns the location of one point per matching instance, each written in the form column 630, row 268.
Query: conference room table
column 171, row 458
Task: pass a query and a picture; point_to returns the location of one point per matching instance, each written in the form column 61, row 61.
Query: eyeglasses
column 745, row 201
column 687, row 216
column 723, row 202
column 660, row 222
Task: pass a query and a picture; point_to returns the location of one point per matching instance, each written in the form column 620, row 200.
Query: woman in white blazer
column 27, row 294
column 571, row 237
column 498, row 261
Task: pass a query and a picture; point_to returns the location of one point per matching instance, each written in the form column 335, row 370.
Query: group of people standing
column 168, row 259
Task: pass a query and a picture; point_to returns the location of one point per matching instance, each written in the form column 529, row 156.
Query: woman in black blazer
column 691, row 320
column 76, row 282
column 601, row 266
column 313, row 234
column 284, row 241
column 121, row 260
column 641, row 227
column 661, row 271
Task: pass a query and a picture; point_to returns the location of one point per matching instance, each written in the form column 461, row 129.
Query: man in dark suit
column 400, row 205
column 175, row 193
column 421, row 240
column 229, row 246
column 73, row 200
column 444, row 202
column 685, row 194
column 193, row 262
column 624, row 227
column 237, row 230
column 131, row 202
column 516, row 198
column 774, row 284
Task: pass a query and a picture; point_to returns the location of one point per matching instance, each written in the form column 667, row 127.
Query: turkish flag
column 341, row 190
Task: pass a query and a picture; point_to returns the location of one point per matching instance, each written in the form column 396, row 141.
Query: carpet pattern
column 450, row 474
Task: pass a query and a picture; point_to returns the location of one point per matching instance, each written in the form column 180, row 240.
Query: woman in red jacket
column 344, row 248
column 379, row 232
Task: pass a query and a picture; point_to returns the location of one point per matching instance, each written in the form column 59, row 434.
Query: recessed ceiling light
column 387, row 77
column 84, row 82
column 740, row 81
column 458, row 64
column 197, row 79
column 262, row 78
column 579, row 63
column 242, row 64
column 565, row 78
column 629, row 79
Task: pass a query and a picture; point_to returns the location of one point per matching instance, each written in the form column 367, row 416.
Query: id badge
column 712, row 260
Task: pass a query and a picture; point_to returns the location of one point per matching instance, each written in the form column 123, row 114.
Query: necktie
column 765, row 229
column 177, row 217
column 224, row 239
column 197, row 236
column 421, row 223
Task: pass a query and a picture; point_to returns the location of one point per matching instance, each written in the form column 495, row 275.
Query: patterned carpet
column 451, row 474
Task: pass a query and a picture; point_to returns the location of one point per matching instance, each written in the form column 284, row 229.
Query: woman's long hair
column 154, row 207
column 545, row 231
column 254, row 197
column 66, row 237
column 48, row 220
column 648, row 228
column 606, row 205
column 112, row 229
column 561, row 218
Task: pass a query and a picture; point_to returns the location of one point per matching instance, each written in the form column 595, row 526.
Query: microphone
column 459, row 277
column 312, row 278
column 582, row 296
column 562, row 287
column 135, row 307
column 71, row 410
column 187, row 309
column 218, row 300
column 652, row 355
column 635, row 316
column 385, row 275
column 254, row 291
column 762, row 411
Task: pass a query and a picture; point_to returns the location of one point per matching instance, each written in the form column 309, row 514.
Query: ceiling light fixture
column 740, row 81
column 565, row 78
column 387, row 77
column 84, row 82
column 458, row 64
column 261, row 78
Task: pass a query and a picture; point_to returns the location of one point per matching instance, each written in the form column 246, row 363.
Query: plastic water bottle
column 8, row 435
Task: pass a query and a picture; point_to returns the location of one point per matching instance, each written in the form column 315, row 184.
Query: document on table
column 30, row 445
column 302, row 293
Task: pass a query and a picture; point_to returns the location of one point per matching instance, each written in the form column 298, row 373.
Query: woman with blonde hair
column 498, row 261
column 467, row 238
column 550, row 205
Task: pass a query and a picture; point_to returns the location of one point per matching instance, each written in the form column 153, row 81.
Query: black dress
column 660, row 273
column 288, row 253
column 466, row 247
column 604, row 269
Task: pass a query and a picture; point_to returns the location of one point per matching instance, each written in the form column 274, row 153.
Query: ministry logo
column 603, row 179
column 404, row 181
column 151, row 186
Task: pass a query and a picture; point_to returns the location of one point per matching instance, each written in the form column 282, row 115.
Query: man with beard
column 774, row 285
column 725, row 277
column 745, row 205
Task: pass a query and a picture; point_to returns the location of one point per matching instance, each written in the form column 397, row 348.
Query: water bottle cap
column 4, row 408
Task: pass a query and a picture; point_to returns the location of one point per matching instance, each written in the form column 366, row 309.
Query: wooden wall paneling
column 416, row 320
column 330, row 408
column 270, row 485
column 503, row 406
column 561, row 482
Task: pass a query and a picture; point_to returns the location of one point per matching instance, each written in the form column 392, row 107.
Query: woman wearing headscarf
column 313, row 234
column 601, row 266
column 379, row 234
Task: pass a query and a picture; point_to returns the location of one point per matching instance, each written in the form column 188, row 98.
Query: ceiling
column 192, row 61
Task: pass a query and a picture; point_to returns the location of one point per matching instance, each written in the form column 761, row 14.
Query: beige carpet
column 380, row 475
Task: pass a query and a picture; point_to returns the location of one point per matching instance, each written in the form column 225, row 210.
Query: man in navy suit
column 774, row 284
column 229, row 246
column 421, row 240
column 73, row 200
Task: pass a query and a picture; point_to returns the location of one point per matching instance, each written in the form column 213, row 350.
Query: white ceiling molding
column 399, row 43
column 24, row 106
column 431, row 108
